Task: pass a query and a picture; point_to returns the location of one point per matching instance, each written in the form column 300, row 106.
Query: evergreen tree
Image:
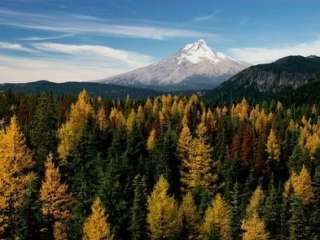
column 236, row 212
column 139, row 212
column 298, row 221
column 43, row 130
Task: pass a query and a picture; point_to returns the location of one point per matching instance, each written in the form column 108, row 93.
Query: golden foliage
column 96, row 226
column 151, row 142
column 189, row 217
column 131, row 121
column 54, row 196
column 15, row 171
column 196, row 169
column 255, row 202
column 163, row 213
column 59, row 231
column 102, row 119
column 71, row 130
column 273, row 147
column 254, row 229
column 217, row 215
column 302, row 185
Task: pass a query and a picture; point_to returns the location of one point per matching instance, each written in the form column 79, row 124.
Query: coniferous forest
column 163, row 168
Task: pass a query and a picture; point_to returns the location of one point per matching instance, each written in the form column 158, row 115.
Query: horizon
column 80, row 41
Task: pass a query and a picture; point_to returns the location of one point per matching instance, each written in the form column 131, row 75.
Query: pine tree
column 139, row 213
column 254, row 228
column 236, row 212
column 163, row 214
column 96, row 226
column 16, row 177
column 298, row 221
column 217, row 215
column 189, row 218
column 43, row 130
column 54, row 196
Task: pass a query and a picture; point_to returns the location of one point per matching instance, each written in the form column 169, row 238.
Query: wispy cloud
column 68, row 62
column 263, row 55
column 131, row 59
column 14, row 47
column 46, row 38
column 81, row 24
column 203, row 18
column 19, row 69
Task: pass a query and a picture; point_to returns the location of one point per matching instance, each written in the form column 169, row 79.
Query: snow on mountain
column 195, row 66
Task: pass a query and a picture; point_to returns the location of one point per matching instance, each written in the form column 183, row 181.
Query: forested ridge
column 165, row 168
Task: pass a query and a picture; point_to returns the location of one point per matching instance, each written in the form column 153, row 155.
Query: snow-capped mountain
column 195, row 66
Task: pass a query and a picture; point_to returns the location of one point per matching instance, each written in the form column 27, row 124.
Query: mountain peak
column 197, row 52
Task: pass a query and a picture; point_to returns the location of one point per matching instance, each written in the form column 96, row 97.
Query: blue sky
column 63, row 40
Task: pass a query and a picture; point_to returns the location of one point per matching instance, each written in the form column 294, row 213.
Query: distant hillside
column 284, row 78
column 106, row 91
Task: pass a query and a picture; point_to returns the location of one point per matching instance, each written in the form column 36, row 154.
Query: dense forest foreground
column 164, row 168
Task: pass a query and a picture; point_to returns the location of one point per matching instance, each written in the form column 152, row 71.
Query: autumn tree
column 16, row 163
column 189, row 218
column 71, row 131
column 163, row 213
column 254, row 228
column 96, row 226
column 217, row 217
column 55, row 198
column 197, row 168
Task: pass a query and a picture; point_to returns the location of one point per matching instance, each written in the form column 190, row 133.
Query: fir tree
column 139, row 213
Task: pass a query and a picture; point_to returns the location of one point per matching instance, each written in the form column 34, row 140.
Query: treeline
column 166, row 168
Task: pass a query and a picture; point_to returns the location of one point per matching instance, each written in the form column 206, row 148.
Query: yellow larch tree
column 131, row 121
column 16, row 176
column 55, row 199
column 302, row 185
column 54, row 195
column 273, row 147
column 254, row 228
column 96, row 226
column 217, row 216
column 189, row 217
column 163, row 214
column 196, row 170
column 72, row 129
column 151, row 142
column 255, row 202
column 102, row 118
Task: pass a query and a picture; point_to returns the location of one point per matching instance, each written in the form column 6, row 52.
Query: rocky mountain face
column 288, row 73
column 195, row 66
column 291, row 71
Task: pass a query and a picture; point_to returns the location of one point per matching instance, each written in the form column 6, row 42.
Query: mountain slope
column 269, row 80
column 195, row 66
column 73, row 88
